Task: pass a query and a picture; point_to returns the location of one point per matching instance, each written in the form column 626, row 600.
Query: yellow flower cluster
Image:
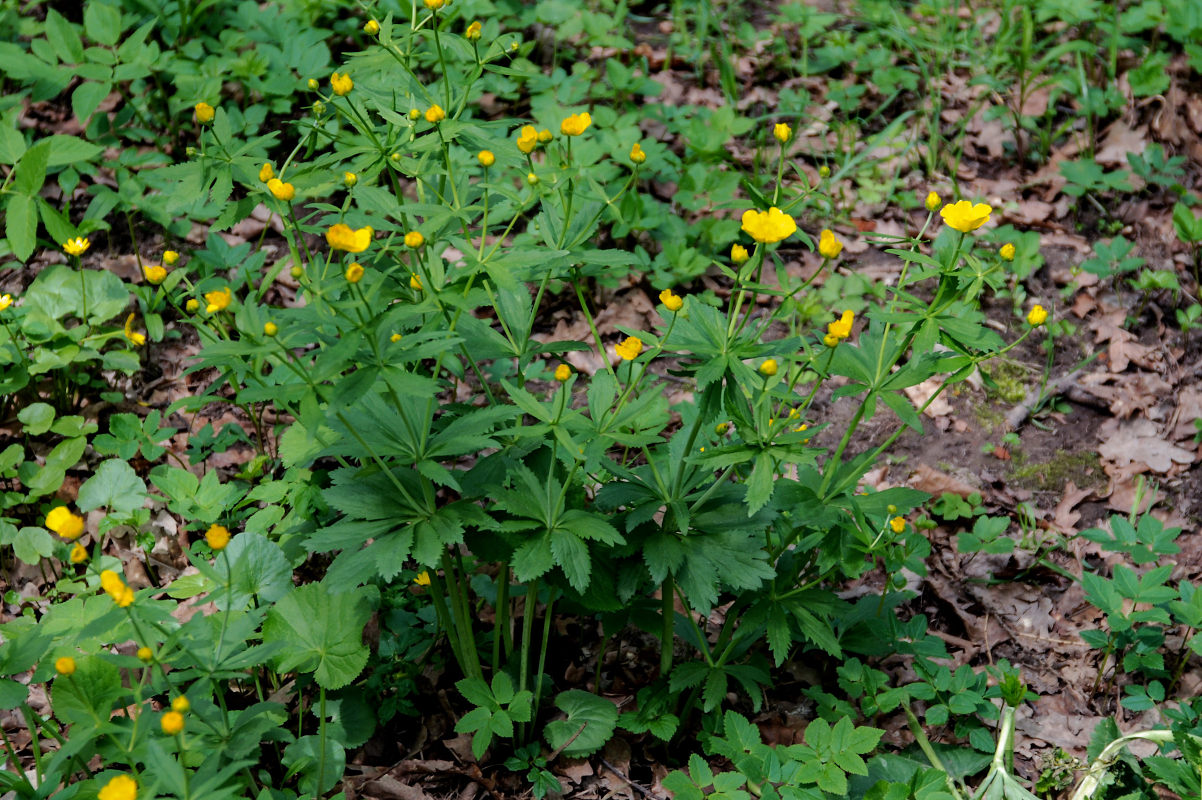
column 116, row 588
column 218, row 300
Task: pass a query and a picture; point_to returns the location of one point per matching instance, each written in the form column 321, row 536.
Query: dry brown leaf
column 932, row 481
column 921, row 393
column 1139, row 441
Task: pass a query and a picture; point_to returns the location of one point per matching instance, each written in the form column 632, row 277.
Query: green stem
column 667, row 595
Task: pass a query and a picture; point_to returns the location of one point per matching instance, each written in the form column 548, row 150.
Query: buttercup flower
column 829, row 245
column 531, row 179
column 575, row 124
column 204, row 113
column 217, row 536
column 415, row 282
column 396, row 337
column 768, row 367
column 122, row 787
column 830, row 340
column 636, row 154
column 354, row 273
column 181, row 705
column 898, row 524
column 1037, row 316
column 154, row 274
column 965, row 216
column 145, row 655
column 671, row 301
column 341, row 237
column 423, row 578
column 435, row 114
column 545, row 136
column 739, row 254
column 527, row 139
column 78, row 554
column 1006, row 252
column 6, row 300
column 782, row 132
column 721, row 428
column 824, row 171
column 266, row 173
column 65, row 666
column 192, row 305
column 170, row 257
column 349, row 179
column 313, row 84
column 434, row 5
column 218, row 300
column 341, row 84
column 768, row 226
column 64, row 523
column 486, row 158
column 281, row 191
column 629, row 348
column 472, row 34
column 270, row 329
column 841, row 328
column 172, row 723
column 562, row 373
column 371, row 27
column 76, row 246
column 414, row 239
column 932, row 201
column 414, row 115
column 115, row 588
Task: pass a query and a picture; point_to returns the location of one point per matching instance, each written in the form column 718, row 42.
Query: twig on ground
column 643, row 790
column 1017, row 415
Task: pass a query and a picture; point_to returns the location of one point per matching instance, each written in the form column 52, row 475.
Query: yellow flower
column 266, row 173
column 414, row 239
column 124, row 598
column 217, row 536
column 122, row 787
column 396, row 337
column 270, row 329
column 562, row 373
column 76, row 246
column 181, row 705
column 768, row 226
column 414, row 115
column 434, row 5
column 154, row 274
column 527, row 139
column 341, row 237
column 739, row 254
column 281, row 191
column 435, row 114
column 1037, row 316
column 965, row 216
column 204, row 113
column 768, row 367
column 349, row 179
column 830, row 340
column 64, row 523
column 575, row 124
column 824, row 171
column 782, row 132
column 415, row 282
column 371, row 27
column 341, row 84
column 671, row 301
column 218, row 300
column 172, row 723
column 1006, row 252
column 354, row 273
column 473, row 31
column 932, row 201
column 138, row 339
column 110, row 582
column 531, row 179
column 423, row 578
column 170, row 257
column 636, row 154
column 65, row 666
column 841, row 328
column 78, row 555
column 145, row 655
column 898, row 524
column 721, row 428
column 629, row 348
column 192, row 305
column 829, row 245
column 313, row 84
column 6, row 300
column 486, row 158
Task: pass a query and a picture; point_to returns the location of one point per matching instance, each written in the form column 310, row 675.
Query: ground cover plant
column 688, row 399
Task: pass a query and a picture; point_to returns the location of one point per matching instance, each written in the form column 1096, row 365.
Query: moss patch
column 1009, row 380
column 1083, row 469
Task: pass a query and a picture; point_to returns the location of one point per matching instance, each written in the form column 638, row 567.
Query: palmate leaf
column 320, row 632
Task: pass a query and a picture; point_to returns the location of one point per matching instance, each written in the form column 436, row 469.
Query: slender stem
column 667, row 597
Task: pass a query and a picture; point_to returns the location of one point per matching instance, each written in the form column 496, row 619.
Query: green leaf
column 12, row 693
column 70, row 150
column 31, row 172
column 594, row 717
column 88, row 696
column 317, row 775
column 321, row 632
column 31, row 545
column 102, row 22
column 63, row 38
column 21, row 225
column 87, row 97
column 37, row 418
column 259, row 568
column 114, row 486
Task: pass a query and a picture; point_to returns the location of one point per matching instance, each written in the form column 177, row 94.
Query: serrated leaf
column 320, row 632
column 594, row 717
